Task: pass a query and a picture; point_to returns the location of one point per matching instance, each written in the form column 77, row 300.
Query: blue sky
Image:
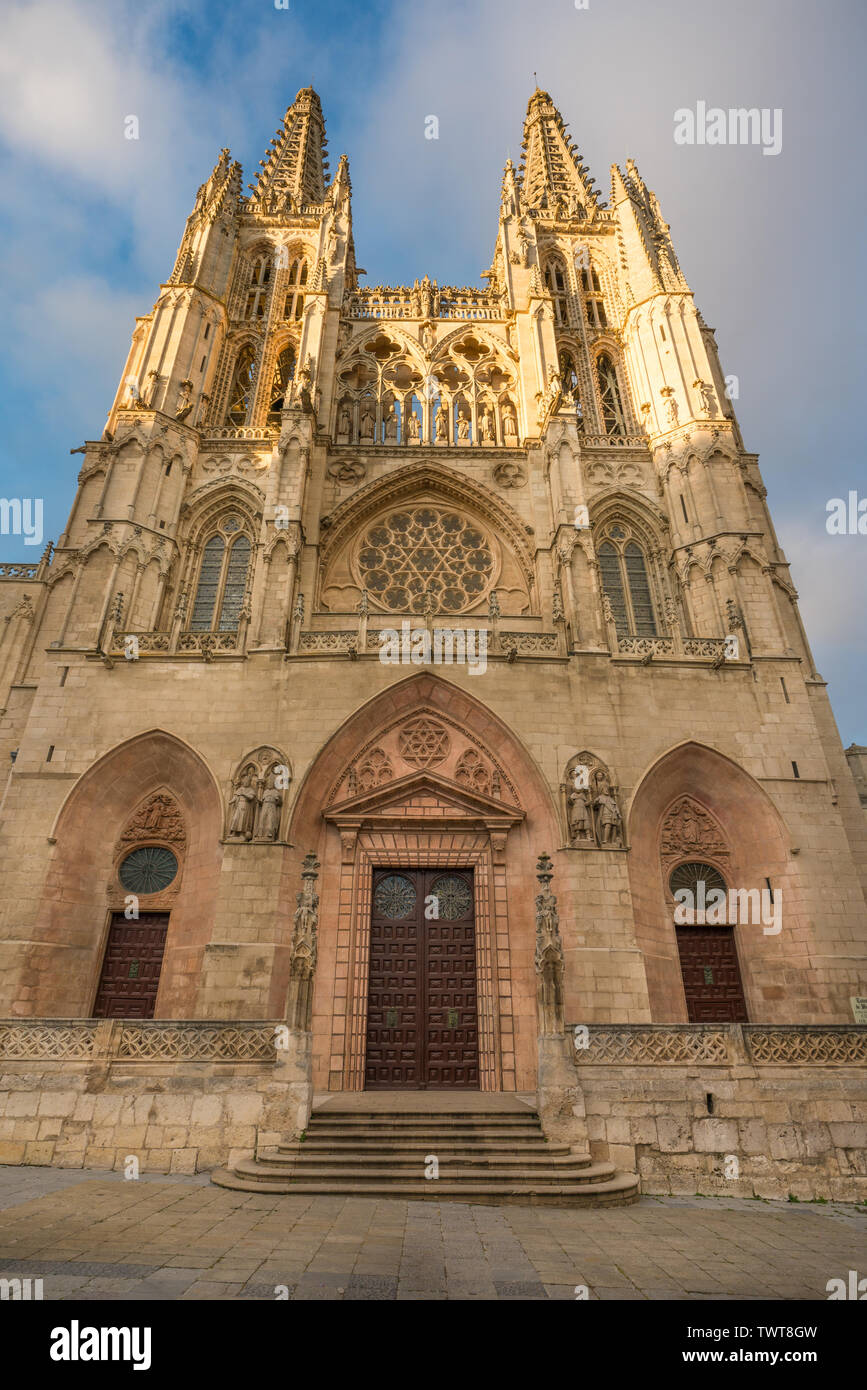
column 772, row 247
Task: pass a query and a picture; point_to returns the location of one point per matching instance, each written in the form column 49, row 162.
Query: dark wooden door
column 711, row 975
column 422, row 1018
column 131, row 966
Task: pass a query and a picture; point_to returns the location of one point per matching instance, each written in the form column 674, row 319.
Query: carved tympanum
column 688, row 828
column 157, row 818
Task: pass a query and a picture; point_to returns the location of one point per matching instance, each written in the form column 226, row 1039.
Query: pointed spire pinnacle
column 296, row 164
column 629, row 189
column 554, row 177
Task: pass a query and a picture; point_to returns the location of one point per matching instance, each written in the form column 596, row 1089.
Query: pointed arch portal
column 422, row 787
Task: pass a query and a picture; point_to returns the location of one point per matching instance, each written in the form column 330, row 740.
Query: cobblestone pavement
column 91, row 1235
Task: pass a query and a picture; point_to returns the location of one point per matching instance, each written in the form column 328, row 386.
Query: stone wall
column 677, row 1104
column 742, row 1110
column 180, row 1097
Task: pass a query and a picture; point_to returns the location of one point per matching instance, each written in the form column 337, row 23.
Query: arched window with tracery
column 623, row 568
column 260, row 283
column 610, row 399
column 222, row 581
column 293, row 306
column 284, row 375
column 241, row 393
column 555, row 283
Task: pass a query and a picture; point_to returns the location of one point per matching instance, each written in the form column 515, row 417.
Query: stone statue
column 391, row 425
column 425, row 300
column 269, row 814
column 442, row 425
column 487, row 427
column 344, row 425
column 367, row 424
column 608, row 817
column 580, row 817
column 243, row 808
column 510, row 425
column 414, row 427
column 548, row 957
column 463, row 426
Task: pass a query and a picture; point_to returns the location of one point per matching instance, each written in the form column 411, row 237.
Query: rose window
column 423, row 743
column 426, row 550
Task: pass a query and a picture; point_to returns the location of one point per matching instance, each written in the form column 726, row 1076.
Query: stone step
column 422, row 1133
column 396, row 1148
column 266, row 1170
column 618, row 1190
column 352, row 1119
column 395, row 1161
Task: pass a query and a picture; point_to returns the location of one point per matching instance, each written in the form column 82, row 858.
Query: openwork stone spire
column 294, row 168
column 554, row 176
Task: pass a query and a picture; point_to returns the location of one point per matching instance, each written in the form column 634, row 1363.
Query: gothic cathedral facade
column 384, row 593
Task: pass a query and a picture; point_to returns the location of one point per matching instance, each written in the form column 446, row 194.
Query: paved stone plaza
column 94, row 1236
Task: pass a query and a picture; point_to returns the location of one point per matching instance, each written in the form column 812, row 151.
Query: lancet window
column 222, row 581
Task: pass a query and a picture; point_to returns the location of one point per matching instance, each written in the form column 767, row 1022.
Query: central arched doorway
column 426, row 791
column 706, row 948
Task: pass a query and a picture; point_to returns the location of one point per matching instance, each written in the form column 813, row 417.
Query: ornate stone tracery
column 689, row 831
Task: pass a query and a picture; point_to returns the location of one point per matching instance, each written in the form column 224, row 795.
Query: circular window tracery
column 394, row 897
column 453, row 895
column 691, row 874
column 426, row 550
column 149, row 869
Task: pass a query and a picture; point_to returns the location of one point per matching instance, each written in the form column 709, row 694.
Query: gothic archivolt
column 257, row 796
column 423, row 531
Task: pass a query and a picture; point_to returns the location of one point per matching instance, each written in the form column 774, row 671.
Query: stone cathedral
column 407, row 649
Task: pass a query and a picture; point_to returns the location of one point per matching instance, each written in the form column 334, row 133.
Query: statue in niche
column 463, row 426
column 442, row 425
column 243, row 808
column 414, row 428
column 580, row 815
column 607, row 813
column 367, row 424
column 510, row 424
column 391, row 425
column 344, row 424
column 269, row 812
column 486, row 427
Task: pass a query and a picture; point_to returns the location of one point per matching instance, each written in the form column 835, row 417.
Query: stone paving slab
column 94, row 1236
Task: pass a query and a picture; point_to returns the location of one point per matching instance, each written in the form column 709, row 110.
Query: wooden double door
column 711, row 975
column 131, row 966
column 422, row 1013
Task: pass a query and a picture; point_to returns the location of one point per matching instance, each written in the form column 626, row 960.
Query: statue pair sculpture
column 592, row 812
column 256, row 802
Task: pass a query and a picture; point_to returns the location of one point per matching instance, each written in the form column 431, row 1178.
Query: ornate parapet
column 730, row 1044
column 124, row 1040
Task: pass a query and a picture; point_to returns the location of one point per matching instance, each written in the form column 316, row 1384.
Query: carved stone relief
column 257, row 796
column 591, row 804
